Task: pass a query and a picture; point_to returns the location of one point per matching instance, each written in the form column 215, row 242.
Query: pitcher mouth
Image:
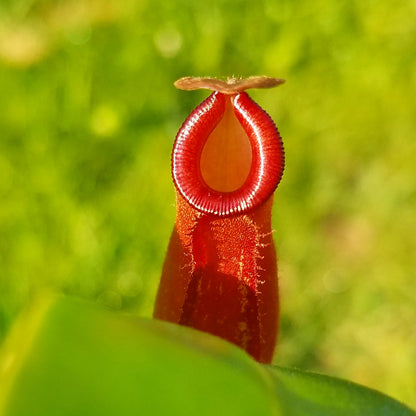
column 198, row 179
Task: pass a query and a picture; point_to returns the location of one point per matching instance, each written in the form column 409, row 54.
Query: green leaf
column 66, row 357
column 302, row 393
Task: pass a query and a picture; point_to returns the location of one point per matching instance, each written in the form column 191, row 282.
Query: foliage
column 110, row 364
column 88, row 116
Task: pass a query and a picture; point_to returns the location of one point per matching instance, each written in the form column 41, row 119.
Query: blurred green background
column 88, row 115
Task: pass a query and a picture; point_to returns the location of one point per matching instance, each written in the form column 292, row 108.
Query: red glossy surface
column 267, row 156
column 220, row 276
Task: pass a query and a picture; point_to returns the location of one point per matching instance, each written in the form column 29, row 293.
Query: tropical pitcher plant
column 220, row 271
